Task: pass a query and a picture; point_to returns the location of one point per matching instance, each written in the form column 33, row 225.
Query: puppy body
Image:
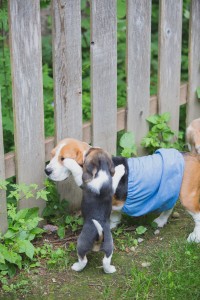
column 189, row 190
column 96, row 207
column 193, row 136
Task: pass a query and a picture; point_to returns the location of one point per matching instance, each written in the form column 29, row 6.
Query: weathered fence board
column 3, row 204
column 67, row 80
column 170, row 31
column 104, row 74
column 193, row 108
column 138, row 67
column 26, row 63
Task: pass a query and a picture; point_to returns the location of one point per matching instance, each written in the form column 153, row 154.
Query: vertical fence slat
column 104, row 73
column 193, row 107
column 170, row 31
column 138, row 67
column 67, row 80
column 26, row 63
column 3, row 203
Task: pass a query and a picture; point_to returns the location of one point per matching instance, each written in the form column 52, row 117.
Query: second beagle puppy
column 99, row 178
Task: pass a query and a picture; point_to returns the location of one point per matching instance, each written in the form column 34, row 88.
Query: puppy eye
column 62, row 158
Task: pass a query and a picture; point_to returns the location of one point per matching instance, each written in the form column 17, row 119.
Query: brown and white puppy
column 193, row 136
column 99, row 174
column 61, row 165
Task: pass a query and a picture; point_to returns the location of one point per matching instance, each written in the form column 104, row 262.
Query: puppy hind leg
column 80, row 265
column 115, row 218
column 108, row 268
column 163, row 218
column 195, row 235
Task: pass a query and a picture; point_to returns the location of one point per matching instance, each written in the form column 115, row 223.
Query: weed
column 160, row 134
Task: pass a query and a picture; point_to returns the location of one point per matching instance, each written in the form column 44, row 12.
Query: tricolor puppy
column 150, row 183
column 193, row 136
column 100, row 178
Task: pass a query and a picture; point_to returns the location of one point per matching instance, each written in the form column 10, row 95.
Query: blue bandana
column 154, row 182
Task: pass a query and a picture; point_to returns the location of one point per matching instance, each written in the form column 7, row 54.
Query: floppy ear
column 89, row 172
column 79, row 157
column 111, row 167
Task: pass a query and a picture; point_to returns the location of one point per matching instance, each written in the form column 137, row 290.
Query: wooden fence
column 32, row 150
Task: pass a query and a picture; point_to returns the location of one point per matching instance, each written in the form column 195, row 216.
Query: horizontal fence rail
column 32, row 150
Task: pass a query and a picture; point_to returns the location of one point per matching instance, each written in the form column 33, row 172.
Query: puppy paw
column 194, row 237
column 109, row 270
column 77, row 267
column 160, row 222
column 120, row 170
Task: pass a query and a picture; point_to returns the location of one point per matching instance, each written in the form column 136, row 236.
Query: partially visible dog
column 193, row 136
column 100, row 178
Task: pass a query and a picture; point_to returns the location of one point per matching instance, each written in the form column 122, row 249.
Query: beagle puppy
column 98, row 176
column 185, row 182
column 193, row 136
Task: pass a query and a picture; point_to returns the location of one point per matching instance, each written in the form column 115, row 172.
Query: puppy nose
column 48, row 171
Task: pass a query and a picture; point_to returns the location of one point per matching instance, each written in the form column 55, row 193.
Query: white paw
column 120, row 170
column 194, row 237
column 77, row 267
column 161, row 222
column 109, row 270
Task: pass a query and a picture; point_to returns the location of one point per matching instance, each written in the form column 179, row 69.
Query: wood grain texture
column 67, row 65
column 104, row 74
column 67, row 68
column 193, row 107
column 170, row 32
column 26, row 64
column 3, row 200
column 138, row 67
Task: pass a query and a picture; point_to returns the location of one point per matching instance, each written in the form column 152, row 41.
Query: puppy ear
column 79, row 157
column 111, row 167
column 89, row 172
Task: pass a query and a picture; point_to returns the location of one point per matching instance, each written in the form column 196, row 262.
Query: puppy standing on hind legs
column 98, row 188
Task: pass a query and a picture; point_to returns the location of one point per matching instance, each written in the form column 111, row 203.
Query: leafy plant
column 16, row 244
column 160, row 134
column 127, row 143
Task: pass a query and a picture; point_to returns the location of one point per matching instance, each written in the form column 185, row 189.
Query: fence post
column 26, row 64
column 104, row 73
column 138, row 67
column 67, row 81
column 170, row 32
column 193, row 107
column 3, row 203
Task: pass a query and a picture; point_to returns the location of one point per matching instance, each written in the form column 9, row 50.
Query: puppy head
column 96, row 159
column 67, row 148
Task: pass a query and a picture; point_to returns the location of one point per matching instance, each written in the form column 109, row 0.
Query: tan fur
column 193, row 136
column 190, row 188
column 72, row 148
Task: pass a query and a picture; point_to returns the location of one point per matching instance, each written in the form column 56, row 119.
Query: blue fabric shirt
column 154, row 182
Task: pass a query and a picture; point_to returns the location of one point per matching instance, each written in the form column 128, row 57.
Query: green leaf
column 141, row 229
column 61, row 232
column 128, row 141
column 165, row 117
column 26, row 247
column 153, row 119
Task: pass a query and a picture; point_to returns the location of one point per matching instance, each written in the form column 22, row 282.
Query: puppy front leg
column 75, row 169
column 119, row 172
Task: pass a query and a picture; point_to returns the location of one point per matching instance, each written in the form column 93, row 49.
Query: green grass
column 173, row 271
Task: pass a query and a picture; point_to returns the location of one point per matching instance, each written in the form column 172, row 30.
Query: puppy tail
column 99, row 229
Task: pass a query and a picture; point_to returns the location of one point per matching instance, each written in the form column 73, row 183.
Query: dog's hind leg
column 107, row 247
column 195, row 235
column 163, row 218
column 80, row 265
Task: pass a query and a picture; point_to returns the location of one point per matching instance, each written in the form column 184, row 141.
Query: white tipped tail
column 98, row 227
